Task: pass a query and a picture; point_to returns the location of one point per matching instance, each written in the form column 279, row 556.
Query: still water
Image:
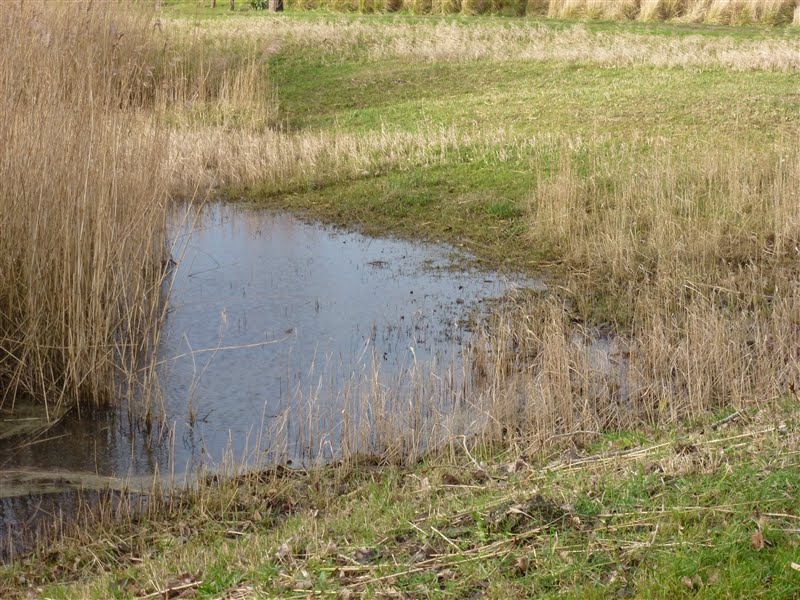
column 269, row 313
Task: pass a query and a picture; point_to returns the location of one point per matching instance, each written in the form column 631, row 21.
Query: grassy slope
column 647, row 515
column 479, row 198
column 526, row 99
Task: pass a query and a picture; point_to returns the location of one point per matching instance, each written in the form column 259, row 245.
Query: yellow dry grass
column 660, row 10
column 730, row 12
column 743, row 12
column 86, row 181
column 441, row 41
column 565, row 9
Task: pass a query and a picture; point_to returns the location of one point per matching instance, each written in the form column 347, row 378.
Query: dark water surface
column 267, row 310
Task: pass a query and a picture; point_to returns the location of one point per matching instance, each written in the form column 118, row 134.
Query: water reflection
column 266, row 310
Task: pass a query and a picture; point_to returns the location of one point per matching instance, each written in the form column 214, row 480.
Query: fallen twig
column 172, row 589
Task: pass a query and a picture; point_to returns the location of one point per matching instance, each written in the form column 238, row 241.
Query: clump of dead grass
column 593, row 9
column 690, row 265
column 742, row 12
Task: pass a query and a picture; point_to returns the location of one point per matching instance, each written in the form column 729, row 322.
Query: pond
column 277, row 327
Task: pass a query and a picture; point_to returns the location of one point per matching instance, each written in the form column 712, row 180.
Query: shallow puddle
column 270, row 315
column 269, row 310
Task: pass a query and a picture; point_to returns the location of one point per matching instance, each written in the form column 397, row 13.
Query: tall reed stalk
column 83, row 197
column 84, row 163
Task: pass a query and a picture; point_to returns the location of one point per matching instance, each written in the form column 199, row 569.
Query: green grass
column 534, row 98
column 664, row 515
column 478, row 196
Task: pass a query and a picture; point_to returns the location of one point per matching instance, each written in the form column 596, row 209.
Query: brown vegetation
column 695, row 247
column 451, row 42
column 86, row 178
column 718, row 12
column 84, row 198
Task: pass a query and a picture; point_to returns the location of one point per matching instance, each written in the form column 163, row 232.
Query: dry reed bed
column 716, row 12
column 702, row 251
column 727, row 12
column 82, row 239
column 452, row 42
column 85, row 188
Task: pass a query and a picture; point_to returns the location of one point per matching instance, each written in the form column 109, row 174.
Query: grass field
column 707, row 511
column 648, row 171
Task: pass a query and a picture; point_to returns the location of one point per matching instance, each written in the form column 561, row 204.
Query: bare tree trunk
column 213, row 3
column 232, row 4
